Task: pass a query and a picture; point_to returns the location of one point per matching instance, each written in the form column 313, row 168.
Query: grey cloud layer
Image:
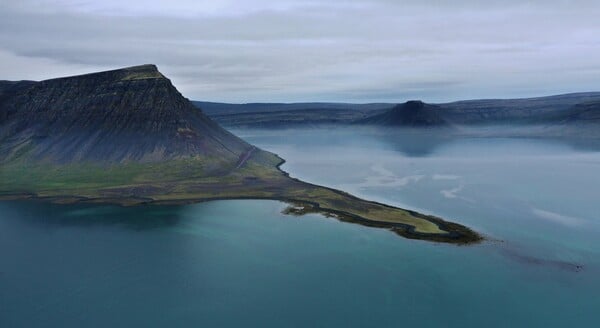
column 311, row 50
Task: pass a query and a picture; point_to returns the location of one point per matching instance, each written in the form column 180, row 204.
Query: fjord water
column 243, row 263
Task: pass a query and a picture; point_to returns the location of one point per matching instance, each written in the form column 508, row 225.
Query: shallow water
column 233, row 263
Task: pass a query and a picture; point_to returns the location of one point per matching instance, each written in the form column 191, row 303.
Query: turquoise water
column 243, row 263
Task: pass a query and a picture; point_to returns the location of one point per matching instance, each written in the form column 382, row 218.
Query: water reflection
column 406, row 141
column 425, row 142
column 523, row 258
column 414, row 142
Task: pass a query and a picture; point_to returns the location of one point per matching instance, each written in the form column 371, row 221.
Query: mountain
column 132, row 114
column 413, row 113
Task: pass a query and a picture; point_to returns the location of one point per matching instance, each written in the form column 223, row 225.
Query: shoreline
column 455, row 230
column 456, row 233
column 302, row 198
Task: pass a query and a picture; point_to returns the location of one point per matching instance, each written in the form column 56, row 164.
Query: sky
column 308, row 50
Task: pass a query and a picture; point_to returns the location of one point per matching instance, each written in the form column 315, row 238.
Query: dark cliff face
column 413, row 113
column 131, row 114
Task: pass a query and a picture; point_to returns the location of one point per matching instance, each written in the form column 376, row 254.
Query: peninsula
column 128, row 137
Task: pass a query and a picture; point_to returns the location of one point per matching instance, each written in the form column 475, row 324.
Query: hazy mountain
column 413, row 113
column 130, row 114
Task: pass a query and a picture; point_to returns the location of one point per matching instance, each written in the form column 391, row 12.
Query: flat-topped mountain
column 130, row 114
column 414, row 113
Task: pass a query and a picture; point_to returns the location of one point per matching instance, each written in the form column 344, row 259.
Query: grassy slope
column 184, row 181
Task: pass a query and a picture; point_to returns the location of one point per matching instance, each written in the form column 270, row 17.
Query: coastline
column 450, row 232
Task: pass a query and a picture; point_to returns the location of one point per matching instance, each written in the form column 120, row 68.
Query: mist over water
column 233, row 263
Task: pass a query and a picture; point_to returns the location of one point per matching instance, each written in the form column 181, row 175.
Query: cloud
column 452, row 193
column 445, row 177
column 294, row 50
column 386, row 178
column 557, row 217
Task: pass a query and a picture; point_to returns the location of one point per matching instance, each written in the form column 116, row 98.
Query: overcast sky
column 309, row 50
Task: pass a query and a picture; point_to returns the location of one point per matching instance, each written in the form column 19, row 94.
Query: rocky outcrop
column 124, row 115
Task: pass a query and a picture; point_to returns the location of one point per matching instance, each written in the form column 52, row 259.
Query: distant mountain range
column 283, row 115
column 215, row 108
column 552, row 109
column 571, row 108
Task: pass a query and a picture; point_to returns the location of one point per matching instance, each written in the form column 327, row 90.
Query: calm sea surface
column 242, row 263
